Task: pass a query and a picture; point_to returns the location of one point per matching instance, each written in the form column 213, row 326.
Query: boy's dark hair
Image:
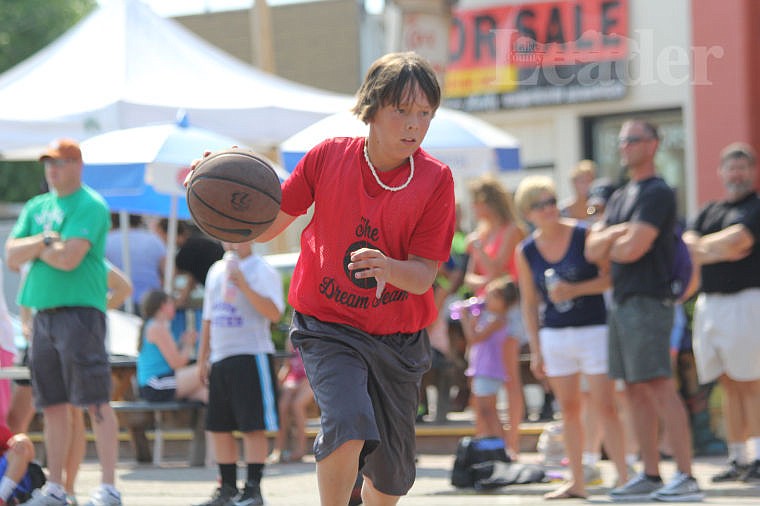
column 392, row 79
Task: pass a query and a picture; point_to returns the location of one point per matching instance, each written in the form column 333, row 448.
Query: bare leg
column 591, row 425
column 225, row 447
column 336, row 474
column 750, row 392
column 304, row 397
column 645, row 425
column 676, row 422
column 77, row 449
column 189, row 384
column 602, row 404
column 373, row 497
column 280, row 442
column 20, row 453
column 515, row 395
column 568, row 393
column 21, row 411
column 734, row 414
column 57, row 432
column 105, row 426
column 626, row 418
column 255, row 447
column 487, row 421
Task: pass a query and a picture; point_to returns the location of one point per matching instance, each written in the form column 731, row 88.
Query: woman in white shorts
column 572, row 337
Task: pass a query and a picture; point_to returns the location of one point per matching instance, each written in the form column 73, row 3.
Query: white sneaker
column 592, row 475
column 638, row 488
column 43, row 497
column 682, row 488
column 105, row 497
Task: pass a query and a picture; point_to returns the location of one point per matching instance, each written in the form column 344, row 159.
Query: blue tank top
column 150, row 360
column 573, row 267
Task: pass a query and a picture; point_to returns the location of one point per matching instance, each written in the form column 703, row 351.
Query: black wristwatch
column 48, row 239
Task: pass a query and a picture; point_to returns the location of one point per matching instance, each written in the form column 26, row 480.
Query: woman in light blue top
column 164, row 369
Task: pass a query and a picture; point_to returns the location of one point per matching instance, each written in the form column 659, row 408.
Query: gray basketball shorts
column 639, row 339
column 367, row 389
column 69, row 362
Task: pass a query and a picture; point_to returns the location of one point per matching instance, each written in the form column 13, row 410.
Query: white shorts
column 726, row 338
column 571, row 350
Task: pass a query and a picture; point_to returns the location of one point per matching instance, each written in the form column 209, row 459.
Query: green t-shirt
column 81, row 215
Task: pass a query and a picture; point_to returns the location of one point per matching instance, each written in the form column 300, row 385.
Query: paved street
column 295, row 485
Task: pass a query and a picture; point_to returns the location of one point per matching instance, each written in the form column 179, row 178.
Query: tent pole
column 126, row 261
column 171, row 246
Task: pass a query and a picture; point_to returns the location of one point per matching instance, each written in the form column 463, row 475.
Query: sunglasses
column 633, row 139
column 543, row 204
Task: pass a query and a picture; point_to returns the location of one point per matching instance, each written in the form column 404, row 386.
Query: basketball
column 234, row 195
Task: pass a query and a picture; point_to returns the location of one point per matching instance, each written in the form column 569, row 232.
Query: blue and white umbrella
column 141, row 171
column 469, row 145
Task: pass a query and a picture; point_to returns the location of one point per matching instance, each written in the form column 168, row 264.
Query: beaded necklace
column 377, row 178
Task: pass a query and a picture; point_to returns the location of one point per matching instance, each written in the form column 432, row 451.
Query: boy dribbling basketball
column 362, row 288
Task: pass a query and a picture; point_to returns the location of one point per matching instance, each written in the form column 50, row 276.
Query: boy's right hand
column 194, row 164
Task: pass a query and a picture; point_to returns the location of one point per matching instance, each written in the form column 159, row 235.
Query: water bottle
column 551, row 277
column 232, row 263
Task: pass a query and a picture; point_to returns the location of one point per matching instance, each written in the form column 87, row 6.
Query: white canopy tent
column 124, row 66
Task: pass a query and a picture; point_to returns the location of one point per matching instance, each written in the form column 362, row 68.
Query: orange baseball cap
column 63, row 149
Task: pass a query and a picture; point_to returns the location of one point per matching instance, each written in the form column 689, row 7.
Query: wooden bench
column 197, row 453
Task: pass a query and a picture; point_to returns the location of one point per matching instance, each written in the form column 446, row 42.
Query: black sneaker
column 223, row 496
column 734, row 472
column 250, row 496
column 752, row 473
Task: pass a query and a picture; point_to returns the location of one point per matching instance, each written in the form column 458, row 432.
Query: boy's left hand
column 370, row 263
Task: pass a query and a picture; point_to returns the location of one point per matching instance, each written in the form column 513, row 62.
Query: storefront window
column 601, row 146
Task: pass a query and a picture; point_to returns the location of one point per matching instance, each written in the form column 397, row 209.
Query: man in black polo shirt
column 636, row 236
column 724, row 241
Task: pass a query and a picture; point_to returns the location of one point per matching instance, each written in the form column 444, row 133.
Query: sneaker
column 250, row 496
column 733, row 472
column 105, row 496
column 592, row 476
column 71, row 500
column 223, row 496
column 638, row 488
column 752, row 473
column 41, row 497
column 682, row 488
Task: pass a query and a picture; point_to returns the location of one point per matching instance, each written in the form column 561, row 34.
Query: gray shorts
column 639, row 339
column 69, row 362
column 367, row 389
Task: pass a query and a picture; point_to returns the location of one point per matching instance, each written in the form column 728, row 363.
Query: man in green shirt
column 62, row 234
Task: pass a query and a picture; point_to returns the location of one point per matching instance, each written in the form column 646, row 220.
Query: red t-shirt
column 352, row 211
column 5, row 436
